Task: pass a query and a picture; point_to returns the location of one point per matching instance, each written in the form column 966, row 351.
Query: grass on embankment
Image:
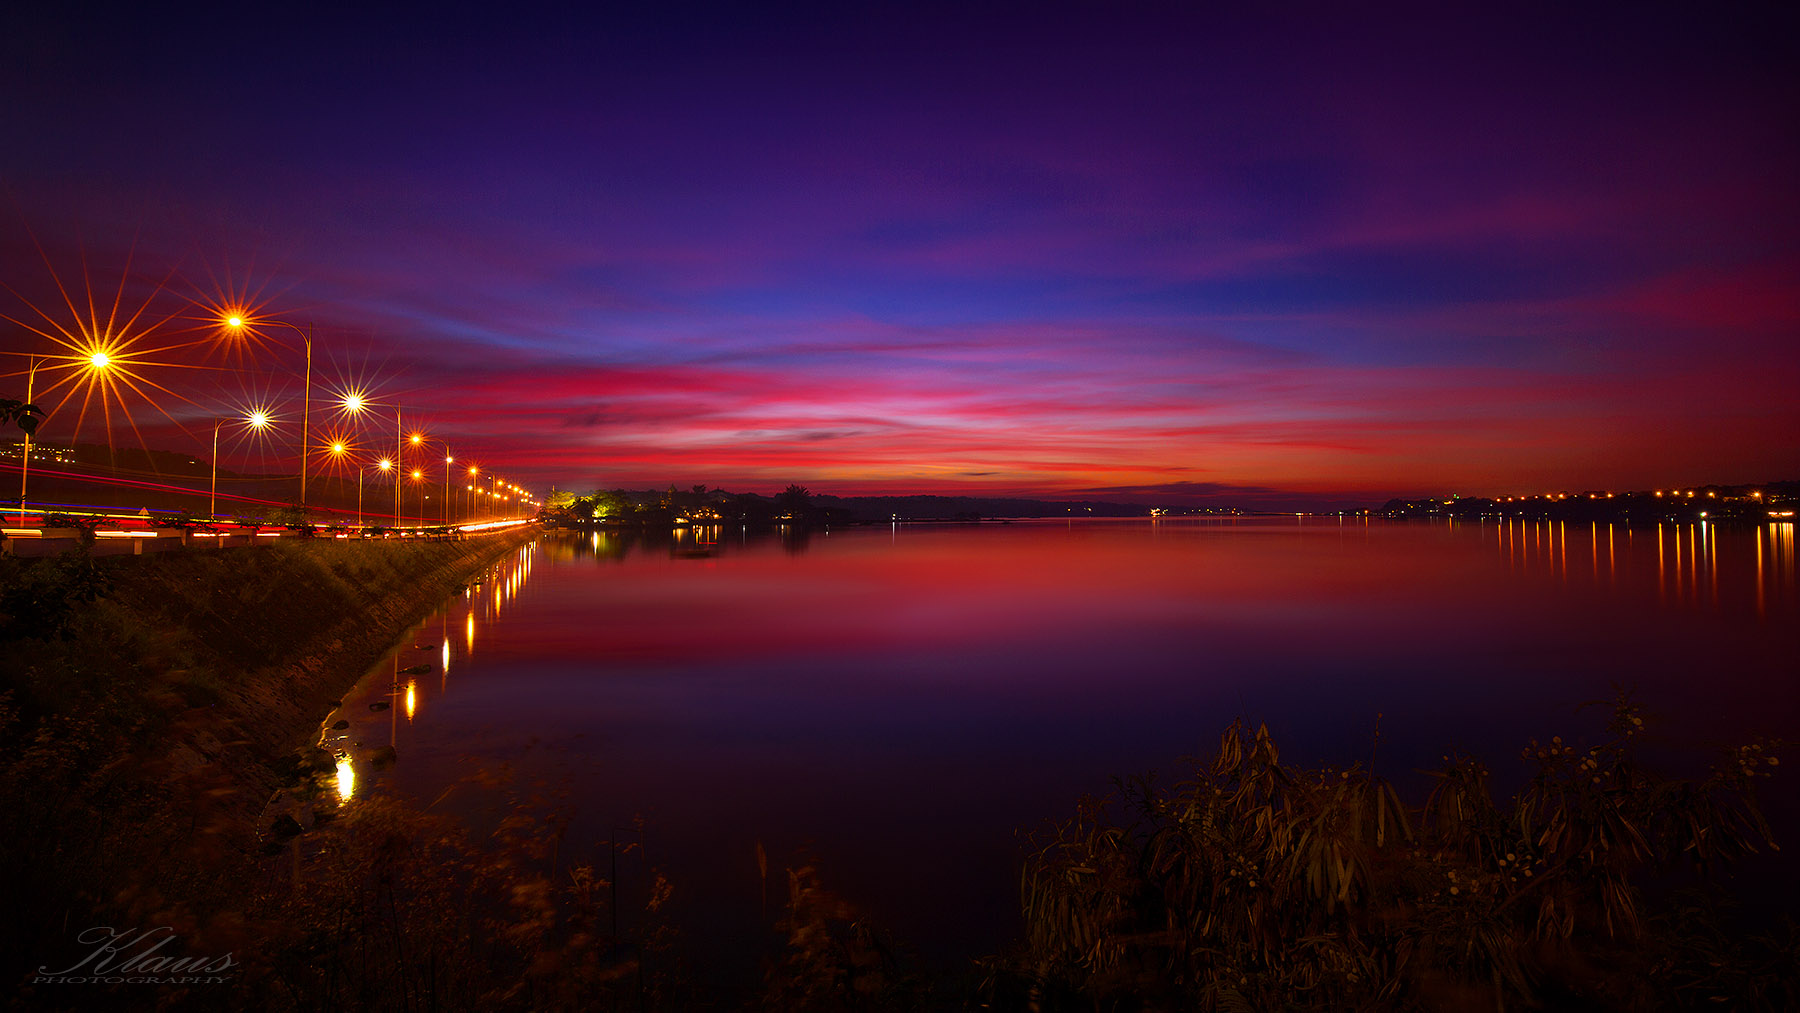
column 149, row 701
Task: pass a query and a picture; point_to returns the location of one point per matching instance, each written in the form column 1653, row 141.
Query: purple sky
column 1167, row 254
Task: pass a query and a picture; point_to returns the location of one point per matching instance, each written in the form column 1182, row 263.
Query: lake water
column 896, row 702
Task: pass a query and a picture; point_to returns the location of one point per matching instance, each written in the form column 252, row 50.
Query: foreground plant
column 1260, row 886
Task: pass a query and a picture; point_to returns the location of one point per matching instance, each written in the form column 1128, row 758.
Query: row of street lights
column 98, row 363
column 354, row 405
column 258, row 421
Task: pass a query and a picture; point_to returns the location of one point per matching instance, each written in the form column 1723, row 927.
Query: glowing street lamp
column 255, row 420
column 237, row 322
column 385, row 466
column 417, row 477
column 422, row 440
column 24, row 466
column 354, row 403
column 337, row 450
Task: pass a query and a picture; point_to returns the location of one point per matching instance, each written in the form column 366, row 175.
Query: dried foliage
column 391, row 907
column 836, row 959
column 1260, row 886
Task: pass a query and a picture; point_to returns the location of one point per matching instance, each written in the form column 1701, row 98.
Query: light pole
column 423, row 440
column 448, row 460
column 239, row 323
column 385, row 465
column 25, row 465
column 212, row 504
column 337, row 450
column 354, row 404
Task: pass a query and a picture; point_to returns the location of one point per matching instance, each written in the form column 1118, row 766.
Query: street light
column 256, row 420
column 385, row 465
column 422, row 440
column 355, row 403
column 24, row 468
column 237, row 322
column 337, row 450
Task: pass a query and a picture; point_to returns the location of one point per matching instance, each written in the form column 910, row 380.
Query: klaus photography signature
column 132, row 957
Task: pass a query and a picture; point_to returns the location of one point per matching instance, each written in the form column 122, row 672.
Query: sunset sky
column 1135, row 251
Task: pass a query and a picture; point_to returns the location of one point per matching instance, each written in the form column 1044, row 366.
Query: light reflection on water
column 1687, row 558
column 897, row 700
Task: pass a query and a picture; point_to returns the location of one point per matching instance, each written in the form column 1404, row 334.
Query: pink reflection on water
column 880, row 694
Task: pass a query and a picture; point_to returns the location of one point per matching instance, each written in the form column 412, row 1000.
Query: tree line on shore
column 797, row 504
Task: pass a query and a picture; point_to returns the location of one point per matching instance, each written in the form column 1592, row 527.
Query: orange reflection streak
column 1594, row 545
column 469, row 631
column 1782, row 537
column 412, row 699
column 1661, row 594
column 1693, row 565
column 1761, row 608
column 1612, row 558
column 1712, row 560
column 1675, row 559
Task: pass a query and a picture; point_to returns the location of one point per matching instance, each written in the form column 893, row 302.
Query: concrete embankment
column 266, row 640
column 153, row 704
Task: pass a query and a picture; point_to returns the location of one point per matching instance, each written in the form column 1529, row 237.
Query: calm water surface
column 896, row 702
